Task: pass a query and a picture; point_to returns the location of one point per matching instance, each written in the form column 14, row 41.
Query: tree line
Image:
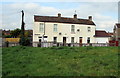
column 16, row 33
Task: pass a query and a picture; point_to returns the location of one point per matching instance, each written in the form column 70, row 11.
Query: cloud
column 60, row 0
column 12, row 15
column 104, row 22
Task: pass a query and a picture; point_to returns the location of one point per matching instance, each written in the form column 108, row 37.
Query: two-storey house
column 63, row 29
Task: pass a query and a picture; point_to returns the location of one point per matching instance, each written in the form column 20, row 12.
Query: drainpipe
column 44, row 32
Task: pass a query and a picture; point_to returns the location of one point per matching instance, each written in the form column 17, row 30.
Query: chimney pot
column 59, row 15
column 75, row 16
column 90, row 18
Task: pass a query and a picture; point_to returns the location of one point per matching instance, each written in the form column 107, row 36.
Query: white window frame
column 72, row 39
column 41, row 29
column 72, row 28
column 89, row 29
column 55, row 27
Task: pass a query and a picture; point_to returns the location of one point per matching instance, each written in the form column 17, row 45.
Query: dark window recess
column 60, row 33
column 55, row 39
column 45, row 36
column 89, row 29
column 39, row 37
column 72, row 39
column 40, row 40
column 88, row 40
column 37, row 34
column 78, row 30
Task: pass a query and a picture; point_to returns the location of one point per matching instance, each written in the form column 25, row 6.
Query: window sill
column 55, row 32
column 72, row 32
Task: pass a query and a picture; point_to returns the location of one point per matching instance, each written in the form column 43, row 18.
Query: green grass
column 60, row 61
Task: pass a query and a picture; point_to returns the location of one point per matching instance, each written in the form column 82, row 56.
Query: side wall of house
column 102, row 40
column 117, row 34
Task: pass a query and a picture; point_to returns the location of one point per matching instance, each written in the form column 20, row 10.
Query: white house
column 63, row 29
column 101, row 36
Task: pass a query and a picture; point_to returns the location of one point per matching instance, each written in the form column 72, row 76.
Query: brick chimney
column 75, row 16
column 90, row 18
column 59, row 15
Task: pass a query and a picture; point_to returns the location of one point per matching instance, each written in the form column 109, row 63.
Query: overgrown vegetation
column 60, row 61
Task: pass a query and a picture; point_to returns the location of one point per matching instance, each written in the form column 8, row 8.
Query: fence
column 51, row 44
column 10, row 44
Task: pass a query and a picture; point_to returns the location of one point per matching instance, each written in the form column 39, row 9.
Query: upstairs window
column 41, row 27
column 55, row 28
column 72, row 28
column 89, row 29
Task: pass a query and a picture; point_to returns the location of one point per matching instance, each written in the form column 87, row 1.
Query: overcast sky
column 105, row 14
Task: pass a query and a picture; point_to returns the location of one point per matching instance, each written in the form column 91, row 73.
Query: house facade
column 101, row 36
column 63, row 30
column 117, row 32
column 111, row 36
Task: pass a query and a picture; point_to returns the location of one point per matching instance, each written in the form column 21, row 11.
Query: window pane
column 72, row 28
column 55, row 28
column 72, row 39
column 89, row 29
column 41, row 27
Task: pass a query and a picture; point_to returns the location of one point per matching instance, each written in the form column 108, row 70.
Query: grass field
column 60, row 61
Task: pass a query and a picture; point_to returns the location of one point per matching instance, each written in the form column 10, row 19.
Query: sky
column 104, row 14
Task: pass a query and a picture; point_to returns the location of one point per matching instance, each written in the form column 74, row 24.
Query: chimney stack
column 75, row 16
column 90, row 18
column 59, row 15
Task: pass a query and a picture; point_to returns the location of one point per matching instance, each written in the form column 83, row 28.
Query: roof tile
column 101, row 33
column 62, row 20
column 118, row 25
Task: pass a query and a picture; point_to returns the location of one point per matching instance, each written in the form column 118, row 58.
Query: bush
column 25, row 41
column 8, row 36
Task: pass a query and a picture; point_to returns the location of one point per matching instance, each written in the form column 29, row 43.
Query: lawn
column 60, row 61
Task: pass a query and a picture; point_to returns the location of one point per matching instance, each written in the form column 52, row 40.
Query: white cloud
column 12, row 15
column 60, row 0
column 104, row 22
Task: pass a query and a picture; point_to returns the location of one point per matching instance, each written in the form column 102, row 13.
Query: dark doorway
column 64, row 41
column 55, row 40
column 39, row 44
column 40, row 40
column 80, row 41
column 88, row 40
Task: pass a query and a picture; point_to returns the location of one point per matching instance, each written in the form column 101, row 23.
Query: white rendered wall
column 65, row 29
column 102, row 40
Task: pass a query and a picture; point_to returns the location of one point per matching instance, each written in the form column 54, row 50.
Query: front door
column 80, row 41
column 39, row 45
column 64, row 41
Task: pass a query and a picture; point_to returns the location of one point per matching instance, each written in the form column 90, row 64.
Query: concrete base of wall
column 35, row 44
